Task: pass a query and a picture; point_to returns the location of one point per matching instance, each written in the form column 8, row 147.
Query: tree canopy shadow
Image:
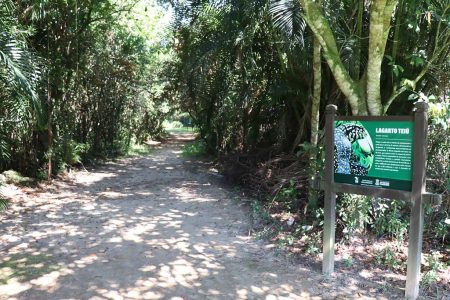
column 149, row 228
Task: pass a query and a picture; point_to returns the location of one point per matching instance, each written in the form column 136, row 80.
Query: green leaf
column 413, row 97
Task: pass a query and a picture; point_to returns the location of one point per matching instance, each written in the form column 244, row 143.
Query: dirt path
column 153, row 227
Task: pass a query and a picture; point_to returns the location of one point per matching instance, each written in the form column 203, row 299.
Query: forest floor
column 160, row 226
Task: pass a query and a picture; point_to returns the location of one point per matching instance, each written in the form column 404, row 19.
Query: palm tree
column 19, row 66
column 19, row 75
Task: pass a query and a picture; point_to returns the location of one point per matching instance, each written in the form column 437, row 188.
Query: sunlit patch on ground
column 148, row 228
column 25, row 267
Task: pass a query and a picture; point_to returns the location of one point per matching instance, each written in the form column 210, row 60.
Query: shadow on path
column 148, row 228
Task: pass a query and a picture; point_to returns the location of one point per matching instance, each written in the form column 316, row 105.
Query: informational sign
column 378, row 156
column 374, row 153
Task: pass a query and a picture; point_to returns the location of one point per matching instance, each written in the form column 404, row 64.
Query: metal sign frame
column 416, row 196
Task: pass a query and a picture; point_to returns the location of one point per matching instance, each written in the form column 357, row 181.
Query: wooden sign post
column 382, row 157
column 329, row 213
column 418, row 189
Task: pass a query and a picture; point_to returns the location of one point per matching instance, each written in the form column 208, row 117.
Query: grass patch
column 139, row 150
column 195, row 149
column 25, row 267
column 14, row 177
column 182, row 130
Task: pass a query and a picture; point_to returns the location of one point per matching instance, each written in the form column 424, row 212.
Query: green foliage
column 353, row 211
column 348, row 262
column 389, row 218
column 4, row 204
column 259, row 213
column 139, row 150
column 438, row 171
column 19, row 70
column 41, row 175
column 229, row 78
column 316, row 155
column 14, row 177
column 59, row 107
column 169, row 125
column 70, row 153
column 195, row 149
column 286, row 197
column 388, row 257
column 441, row 228
column 315, row 168
column 261, row 216
column 5, row 152
column 433, row 264
column 313, row 243
column 288, row 240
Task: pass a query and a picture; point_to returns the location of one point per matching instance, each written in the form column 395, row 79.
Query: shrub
column 353, row 212
column 438, row 171
column 69, row 153
column 195, row 149
column 389, row 218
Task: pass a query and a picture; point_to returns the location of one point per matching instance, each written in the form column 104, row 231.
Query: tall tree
column 364, row 94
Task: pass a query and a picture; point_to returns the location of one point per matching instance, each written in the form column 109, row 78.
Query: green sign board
column 374, row 153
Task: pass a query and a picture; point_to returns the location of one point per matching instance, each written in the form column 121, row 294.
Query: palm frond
column 22, row 70
column 287, row 18
column 4, row 204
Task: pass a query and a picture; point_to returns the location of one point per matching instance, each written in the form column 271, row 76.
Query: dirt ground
column 152, row 227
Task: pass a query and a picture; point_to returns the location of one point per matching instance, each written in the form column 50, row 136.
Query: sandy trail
column 152, row 227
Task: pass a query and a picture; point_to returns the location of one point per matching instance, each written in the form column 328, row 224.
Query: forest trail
column 149, row 227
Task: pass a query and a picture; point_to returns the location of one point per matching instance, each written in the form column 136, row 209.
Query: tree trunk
column 357, row 65
column 49, row 131
column 380, row 17
column 322, row 31
column 315, row 105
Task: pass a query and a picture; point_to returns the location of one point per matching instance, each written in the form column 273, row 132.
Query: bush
column 286, row 198
column 15, row 177
column 389, row 218
column 438, row 171
column 433, row 264
column 195, row 149
column 69, row 153
column 353, row 211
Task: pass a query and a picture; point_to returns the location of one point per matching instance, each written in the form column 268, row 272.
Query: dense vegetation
column 85, row 78
column 245, row 69
column 256, row 76
column 77, row 80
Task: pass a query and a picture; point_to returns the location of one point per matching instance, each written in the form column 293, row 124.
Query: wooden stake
column 418, row 188
column 329, row 224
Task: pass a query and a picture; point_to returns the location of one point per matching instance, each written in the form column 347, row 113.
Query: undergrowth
column 14, row 177
column 291, row 214
column 195, row 149
column 139, row 150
